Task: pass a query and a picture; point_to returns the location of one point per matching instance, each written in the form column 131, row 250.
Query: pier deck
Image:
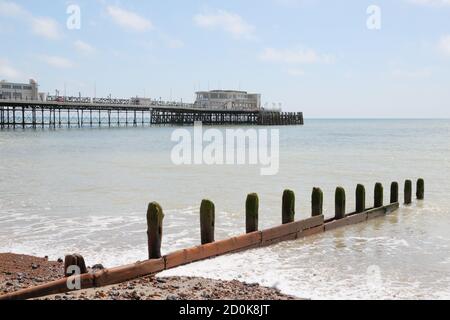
column 38, row 114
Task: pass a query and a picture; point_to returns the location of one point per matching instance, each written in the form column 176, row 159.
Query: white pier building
column 228, row 100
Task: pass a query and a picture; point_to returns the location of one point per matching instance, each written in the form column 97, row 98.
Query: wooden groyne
column 288, row 230
column 37, row 114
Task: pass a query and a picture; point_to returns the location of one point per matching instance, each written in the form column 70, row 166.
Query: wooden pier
column 36, row 114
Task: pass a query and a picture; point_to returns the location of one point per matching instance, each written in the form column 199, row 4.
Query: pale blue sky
column 314, row 56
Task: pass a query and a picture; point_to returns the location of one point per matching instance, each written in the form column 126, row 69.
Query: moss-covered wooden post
column 288, row 212
column 340, row 203
column 360, row 198
column 408, row 192
column 207, row 221
column 317, row 202
column 420, row 193
column 251, row 213
column 394, row 192
column 155, row 218
column 378, row 195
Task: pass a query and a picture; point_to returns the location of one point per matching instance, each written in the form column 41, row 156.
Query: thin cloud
column 444, row 45
column 412, row 74
column 295, row 72
column 11, row 9
column 41, row 26
column 170, row 42
column 83, row 47
column 434, row 3
column 228, row 22
column 57, row 62
column 128, row 19
column 295, row 56
column 7, row 71
column 46, row 27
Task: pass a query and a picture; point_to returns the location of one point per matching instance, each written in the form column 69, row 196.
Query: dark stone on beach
column 60, row 260
column 34, row 266
column 172, row 297
column 98, row 267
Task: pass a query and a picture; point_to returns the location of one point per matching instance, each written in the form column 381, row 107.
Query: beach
column 21, row 272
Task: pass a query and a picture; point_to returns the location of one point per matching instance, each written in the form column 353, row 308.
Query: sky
column 329, row 59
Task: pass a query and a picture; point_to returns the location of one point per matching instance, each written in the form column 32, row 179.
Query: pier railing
column 209, row 248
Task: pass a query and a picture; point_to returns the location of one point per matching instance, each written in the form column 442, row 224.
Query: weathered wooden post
column 340, row 203
column 378, row 195
column 207, row 221
column 288, row 213
column 408, row 192
column 394, row 192
column 420, row 193
column 155, row 218
column 317, row 202
column 74, row 260
column 251, row 213
column 360, row 198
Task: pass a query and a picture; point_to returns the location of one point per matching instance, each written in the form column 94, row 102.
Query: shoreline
column 22, row 271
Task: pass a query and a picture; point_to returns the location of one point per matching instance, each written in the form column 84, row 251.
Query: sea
column 87, row 190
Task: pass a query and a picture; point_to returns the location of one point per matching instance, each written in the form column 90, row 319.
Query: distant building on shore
column 228, row 100
column 19, row 91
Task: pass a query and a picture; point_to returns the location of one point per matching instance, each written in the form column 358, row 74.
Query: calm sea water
column 86, row 191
